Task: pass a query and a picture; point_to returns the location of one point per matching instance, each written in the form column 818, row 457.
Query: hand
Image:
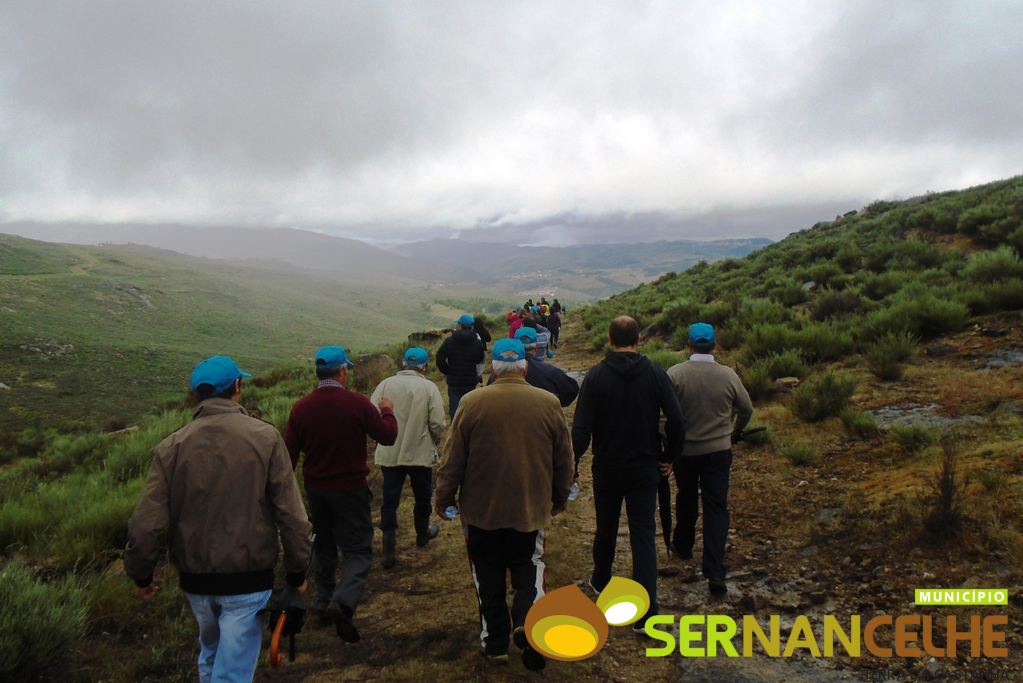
column 304, row 587
column 557, row 510
column 386, row 404
column 148, row 593
column 665, row 468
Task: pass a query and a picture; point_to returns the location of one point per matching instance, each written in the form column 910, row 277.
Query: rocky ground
column 838, row 537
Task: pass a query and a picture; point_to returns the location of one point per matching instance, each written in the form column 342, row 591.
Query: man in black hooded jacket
column 457, row 358
column 620, row 405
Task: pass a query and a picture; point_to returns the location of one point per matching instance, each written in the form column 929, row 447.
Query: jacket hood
column 628, row 365
column 463, row 336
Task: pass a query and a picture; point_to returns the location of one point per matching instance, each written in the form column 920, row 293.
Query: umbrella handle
column 276, row 658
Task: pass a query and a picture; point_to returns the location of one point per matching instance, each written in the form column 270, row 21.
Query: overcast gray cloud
column 386, row 118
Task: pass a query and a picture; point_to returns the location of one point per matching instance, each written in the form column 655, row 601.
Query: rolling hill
column 99, row 334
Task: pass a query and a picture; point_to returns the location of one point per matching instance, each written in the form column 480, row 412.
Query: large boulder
column 427, row 337
column 371, row 369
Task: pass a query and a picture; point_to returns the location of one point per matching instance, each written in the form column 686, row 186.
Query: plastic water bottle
column 573, row 492
column 451, row 512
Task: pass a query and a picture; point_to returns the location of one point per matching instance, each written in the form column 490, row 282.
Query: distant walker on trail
column 419, row 409
column 330, row 426
column 458, row 357
column 222, row 489
column 717, row 406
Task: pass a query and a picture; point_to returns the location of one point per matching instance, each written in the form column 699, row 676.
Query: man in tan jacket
column 221, row 487
column 509, row 481
column 419, row 409
column 717, row 405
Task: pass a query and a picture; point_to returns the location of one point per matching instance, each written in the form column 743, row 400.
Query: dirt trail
column 420, row 620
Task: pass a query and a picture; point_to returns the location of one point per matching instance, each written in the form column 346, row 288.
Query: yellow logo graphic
column 567, row 626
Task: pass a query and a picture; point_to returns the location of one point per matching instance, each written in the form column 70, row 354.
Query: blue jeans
column 230, row 635
column 455, row 395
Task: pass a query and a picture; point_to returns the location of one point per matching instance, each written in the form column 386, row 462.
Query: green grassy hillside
column 99, row 335
column 920, row 267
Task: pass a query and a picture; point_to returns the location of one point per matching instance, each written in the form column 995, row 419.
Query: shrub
column 785, row 364
column 992, row 265
column 823, row 396
column 912, row 438
column 819, row 342
column 946, row 516
column 758, row 381
column 42, row 623
column 882, row 285
column 1006, row 295
column 924, row 316
column 825, row 274
column 676, row 314
column 859, row 423
column 663, row 357
column 830, row 304
column 801, row 453
column 788, row 293
column 768, row 340
column 885, row 356
column 755, row 312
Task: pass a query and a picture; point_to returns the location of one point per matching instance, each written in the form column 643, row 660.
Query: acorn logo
column 565, row 625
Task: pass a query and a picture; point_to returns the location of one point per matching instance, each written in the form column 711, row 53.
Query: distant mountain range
column 578, row 273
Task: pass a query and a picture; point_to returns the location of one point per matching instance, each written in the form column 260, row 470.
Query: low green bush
column 993, row 265
column 831, row 304
column 913, row 438
column 758, row 381
column 801, row 454
column 922, row 315
column 859, row 423
column 663, row 357
column 42, row 626
column 886, row 355
column 823, row 396
column 1005, row 295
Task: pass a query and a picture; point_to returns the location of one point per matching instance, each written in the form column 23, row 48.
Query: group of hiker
column 223, row 489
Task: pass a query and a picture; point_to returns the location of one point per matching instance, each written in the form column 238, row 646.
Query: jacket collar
column 217, row 406
column 702, row 357
column 510, row 379
column 411, row 373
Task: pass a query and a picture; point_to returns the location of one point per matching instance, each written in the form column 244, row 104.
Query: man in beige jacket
column 716, row 405
column 221, row 487
column 419, row 409
column 509, row 481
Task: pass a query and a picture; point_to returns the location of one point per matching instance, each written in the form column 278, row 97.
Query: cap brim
column 244, row 374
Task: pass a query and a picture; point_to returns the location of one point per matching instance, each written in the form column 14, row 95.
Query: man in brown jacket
column 221, row 487
column 509, row 482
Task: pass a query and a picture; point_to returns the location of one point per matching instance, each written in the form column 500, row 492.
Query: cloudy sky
column 390, row 120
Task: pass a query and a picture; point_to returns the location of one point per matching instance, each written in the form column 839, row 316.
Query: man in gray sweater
column 716, row 405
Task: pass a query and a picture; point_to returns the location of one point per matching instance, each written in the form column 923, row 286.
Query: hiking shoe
column 431, row 533
column 589, row 582
column 717, row 586
column 531, row 659
column 342, row 617
column 495, row 656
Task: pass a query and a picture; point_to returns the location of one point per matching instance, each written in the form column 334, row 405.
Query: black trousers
column 637, row 486
column 341, row 521
column 455, row 395
column 394, row 480
column 493, row 554
column 703, row 476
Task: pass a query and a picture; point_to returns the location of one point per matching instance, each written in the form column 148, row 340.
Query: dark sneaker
column 342, row 617
column 717, row 586
column 431, row 533
column 596, row 591
column 531, row 659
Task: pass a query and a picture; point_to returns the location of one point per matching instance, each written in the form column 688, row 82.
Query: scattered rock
column 48, row 348
column 1002, row 358
column 938, row 350
column 918, row 414
column 809, row 285
column 802, row 483
column 8, row 309
column 787, row 382
column 137, row 292
column 427, row 336
column 828, row 515
column 4, row 387
column 809, row 551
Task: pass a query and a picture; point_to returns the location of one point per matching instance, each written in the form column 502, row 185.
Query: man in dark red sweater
column 330, row 426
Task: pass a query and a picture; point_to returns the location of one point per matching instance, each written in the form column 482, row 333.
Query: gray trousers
column 341, row 521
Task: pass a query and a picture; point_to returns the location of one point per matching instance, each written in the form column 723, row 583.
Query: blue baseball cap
column 220, row 372
column 526, row 335
column 701, row 334
column 332, row 358
column 466, row 319
column 508, row 351
column 415, row 356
